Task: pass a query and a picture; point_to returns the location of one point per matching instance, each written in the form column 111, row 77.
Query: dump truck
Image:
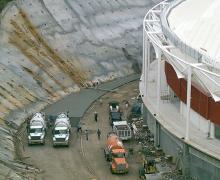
column 36, row 129
column 115, row 153
column 114, row 112
column 61, row 130
column 122, row 129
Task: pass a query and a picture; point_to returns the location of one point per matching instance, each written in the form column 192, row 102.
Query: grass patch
column 3, row 3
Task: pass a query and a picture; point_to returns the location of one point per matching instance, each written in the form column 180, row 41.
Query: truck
column 116, row 154
column 36, row 129
column 114, row 112
column 61, row 130
column 136, row 110
column 122, row 129
column 114, row 106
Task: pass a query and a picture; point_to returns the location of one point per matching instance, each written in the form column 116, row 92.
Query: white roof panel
column 197, row 24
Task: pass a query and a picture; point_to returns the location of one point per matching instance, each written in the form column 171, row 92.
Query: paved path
column 78, row 103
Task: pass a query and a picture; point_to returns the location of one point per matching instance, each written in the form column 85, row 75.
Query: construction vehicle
column 114, row 106
column 36, row 129
column 115, row 153
column 61, row 130
column 136, row 110
column 148, row 169
column 122, row 129
column 114, row 112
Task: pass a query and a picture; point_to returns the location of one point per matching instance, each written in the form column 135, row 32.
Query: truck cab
column 37, row 129
column 118, row 161
column 61, row 130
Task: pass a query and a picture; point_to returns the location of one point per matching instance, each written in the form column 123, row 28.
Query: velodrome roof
column 197, row 24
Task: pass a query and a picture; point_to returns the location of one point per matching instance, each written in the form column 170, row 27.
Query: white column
column 158, row 81
column 181, row 110
column 188, row 102
column 144, row 60
column 147, row 62
column 145, row 65
column 212, row 130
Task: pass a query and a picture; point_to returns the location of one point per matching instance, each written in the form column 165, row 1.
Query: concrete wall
column 194, row 163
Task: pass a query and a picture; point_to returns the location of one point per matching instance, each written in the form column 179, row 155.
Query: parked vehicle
column 122, row 129
column 115, row 153
column 114, row 112
column 148, row 170
column 61, row 130
column 136, row 110
column 114, row 117
column 36, row 129
column 114, row 106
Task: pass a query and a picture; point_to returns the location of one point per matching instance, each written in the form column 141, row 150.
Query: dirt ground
column 84, row 160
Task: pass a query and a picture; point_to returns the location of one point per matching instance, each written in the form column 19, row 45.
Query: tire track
column 86, row 162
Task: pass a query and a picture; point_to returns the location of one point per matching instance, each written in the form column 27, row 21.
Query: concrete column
column 212, row 130
column 157, row 135
column 181, row 110
column 186, row 161
column 144, row 60
column 188, row 102
column 147, row 63
column 158, row 81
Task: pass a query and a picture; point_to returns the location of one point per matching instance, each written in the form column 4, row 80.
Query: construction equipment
column 36, row 129
column 122, row 129
column 136, row 110
column 114, row 106
column 116, row 154
column 114, row 112
column 61, row 130
column 148, row 169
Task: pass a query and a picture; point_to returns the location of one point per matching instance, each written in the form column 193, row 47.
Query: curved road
column 84, row 159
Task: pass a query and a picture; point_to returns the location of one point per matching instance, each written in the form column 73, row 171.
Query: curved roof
column 197, row 24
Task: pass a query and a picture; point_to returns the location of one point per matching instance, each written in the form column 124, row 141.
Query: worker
column 99, row 133
column 95, row 116
column 87, row 135
column 28, row 124
column 79, row 128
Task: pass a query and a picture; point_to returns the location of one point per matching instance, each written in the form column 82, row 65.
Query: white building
column 180, row 85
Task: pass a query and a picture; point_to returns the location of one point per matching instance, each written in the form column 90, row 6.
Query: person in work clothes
column 87, row 134
column 95, row 116
column 99, row 133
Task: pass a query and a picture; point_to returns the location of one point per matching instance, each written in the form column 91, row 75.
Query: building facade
column 180, row 89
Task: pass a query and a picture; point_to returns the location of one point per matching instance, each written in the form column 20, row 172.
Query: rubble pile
column 145, row 139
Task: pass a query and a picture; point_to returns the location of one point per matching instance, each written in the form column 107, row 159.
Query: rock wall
column 51, row 48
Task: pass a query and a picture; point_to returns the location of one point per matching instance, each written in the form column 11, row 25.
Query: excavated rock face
column 50, row 48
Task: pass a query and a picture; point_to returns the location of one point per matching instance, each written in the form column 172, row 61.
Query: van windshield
column 35, row 130
column 60, row 131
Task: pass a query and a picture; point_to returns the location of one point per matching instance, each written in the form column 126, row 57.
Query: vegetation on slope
column 3, row 3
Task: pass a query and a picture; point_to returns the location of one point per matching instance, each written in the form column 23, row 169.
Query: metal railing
column 161, row 36
column 183, row 46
